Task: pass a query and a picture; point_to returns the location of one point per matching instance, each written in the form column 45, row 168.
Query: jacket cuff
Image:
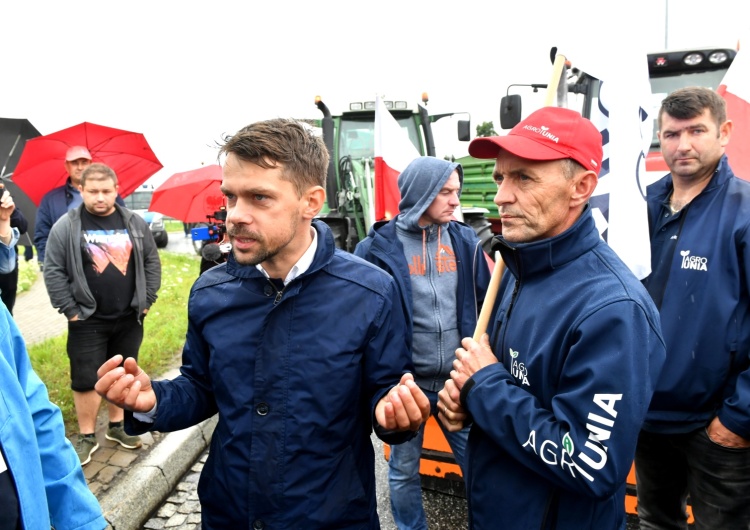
column 463, row 397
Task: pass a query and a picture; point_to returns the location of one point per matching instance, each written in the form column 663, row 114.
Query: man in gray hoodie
column 442, row 275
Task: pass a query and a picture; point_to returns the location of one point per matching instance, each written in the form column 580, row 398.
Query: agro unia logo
column 693, row 262
column 542, row 130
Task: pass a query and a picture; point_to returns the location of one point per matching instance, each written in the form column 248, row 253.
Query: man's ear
column 313, row 201
column 585, row 184
column 725, row 132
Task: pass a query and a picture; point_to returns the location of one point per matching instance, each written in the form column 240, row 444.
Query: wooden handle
column 557, row 70
column 489, row 300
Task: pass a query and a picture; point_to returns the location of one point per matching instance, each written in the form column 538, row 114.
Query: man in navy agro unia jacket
column 556, row 409
column 298, row 346
column 696, row 438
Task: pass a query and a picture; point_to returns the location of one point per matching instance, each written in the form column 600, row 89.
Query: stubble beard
column 264, row 251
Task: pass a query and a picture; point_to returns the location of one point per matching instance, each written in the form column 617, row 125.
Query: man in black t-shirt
column 102, row 271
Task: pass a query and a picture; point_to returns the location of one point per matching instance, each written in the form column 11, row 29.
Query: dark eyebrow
column 688, row 128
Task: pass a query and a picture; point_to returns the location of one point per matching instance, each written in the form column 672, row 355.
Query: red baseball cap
column 550, row 133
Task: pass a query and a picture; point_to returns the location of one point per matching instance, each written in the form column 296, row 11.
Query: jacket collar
column 662, row 188
column 526, row 259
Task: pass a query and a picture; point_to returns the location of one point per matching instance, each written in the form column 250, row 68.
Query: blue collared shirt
column 8, row 253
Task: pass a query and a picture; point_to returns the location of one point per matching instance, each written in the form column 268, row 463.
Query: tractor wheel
column 483, row 229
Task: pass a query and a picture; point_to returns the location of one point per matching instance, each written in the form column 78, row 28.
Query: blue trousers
column 669, row 467
column 403, row 473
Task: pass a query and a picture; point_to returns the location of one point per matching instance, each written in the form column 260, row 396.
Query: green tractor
column 350, row 139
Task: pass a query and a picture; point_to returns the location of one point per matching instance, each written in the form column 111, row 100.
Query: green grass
column 163, row 337
column 173, row 226
column 27, row 275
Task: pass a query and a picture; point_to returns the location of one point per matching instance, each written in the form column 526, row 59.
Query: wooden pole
column 489, row 300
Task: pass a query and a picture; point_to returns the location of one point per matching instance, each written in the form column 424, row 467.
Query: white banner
column 621, row 114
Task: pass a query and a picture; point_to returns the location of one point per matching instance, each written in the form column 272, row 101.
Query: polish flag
column 735, row 89
column 393, row 152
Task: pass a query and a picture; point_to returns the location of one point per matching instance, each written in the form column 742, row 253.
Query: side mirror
column 464, row 130
column 510, row 111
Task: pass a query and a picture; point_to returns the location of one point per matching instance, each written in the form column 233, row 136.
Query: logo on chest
column 518, row 369
column 693, row 262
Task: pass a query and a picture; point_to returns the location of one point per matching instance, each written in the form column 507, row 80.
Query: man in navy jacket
column 559, row 389
column 696, row 438
column 298, row 346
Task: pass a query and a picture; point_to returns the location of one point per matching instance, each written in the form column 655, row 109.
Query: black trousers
column 8, row 287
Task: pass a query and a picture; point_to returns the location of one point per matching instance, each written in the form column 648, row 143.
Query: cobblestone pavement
column 111, row 458
column 182, row 511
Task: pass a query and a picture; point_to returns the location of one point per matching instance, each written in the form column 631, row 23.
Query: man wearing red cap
column 58, row 201
column 556, row 409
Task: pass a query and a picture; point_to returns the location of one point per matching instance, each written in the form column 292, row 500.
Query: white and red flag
column 393, row 152
column 735, row 89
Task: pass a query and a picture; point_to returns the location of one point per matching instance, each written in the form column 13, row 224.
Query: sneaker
column 118, row 434
column 85, row 447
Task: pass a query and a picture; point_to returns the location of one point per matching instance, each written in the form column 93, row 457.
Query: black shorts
column 94, row 340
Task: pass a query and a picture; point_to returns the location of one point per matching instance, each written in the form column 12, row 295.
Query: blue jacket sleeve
column 734, row 413
column 8, row 253
column 70, row 503
column 387, row 358
column 42, row 226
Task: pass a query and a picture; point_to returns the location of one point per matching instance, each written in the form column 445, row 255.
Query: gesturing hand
column 126, row 386
column 405, row 407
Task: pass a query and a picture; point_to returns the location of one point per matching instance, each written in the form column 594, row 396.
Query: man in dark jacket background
column 696, row 438
column 442, row 275
column 559, row 389
column 298, row 346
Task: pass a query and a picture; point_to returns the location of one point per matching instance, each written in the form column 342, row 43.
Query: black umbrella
column 13, row 136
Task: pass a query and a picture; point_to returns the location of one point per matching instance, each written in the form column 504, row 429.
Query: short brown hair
column 292, row 144
column 98, row 171
column 689, row 102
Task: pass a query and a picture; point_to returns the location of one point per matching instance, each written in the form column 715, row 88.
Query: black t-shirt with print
column 107, row 253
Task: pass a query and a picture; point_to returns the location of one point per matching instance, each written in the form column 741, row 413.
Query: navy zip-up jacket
column 555, row 422
column 701, row 277
column 383, row 248
column 294, row 376
column 449, row 309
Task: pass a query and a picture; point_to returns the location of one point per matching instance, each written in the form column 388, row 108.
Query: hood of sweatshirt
column 419, row 184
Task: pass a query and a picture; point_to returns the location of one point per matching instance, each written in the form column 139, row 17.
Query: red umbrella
column 190, row 196
column 42, row 163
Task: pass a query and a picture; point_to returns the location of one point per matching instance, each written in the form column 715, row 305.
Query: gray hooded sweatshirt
column 433, row 271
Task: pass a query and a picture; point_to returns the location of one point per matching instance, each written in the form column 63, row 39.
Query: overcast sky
column 185, row 73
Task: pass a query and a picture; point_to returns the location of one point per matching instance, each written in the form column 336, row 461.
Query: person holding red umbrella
column 58, row 201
